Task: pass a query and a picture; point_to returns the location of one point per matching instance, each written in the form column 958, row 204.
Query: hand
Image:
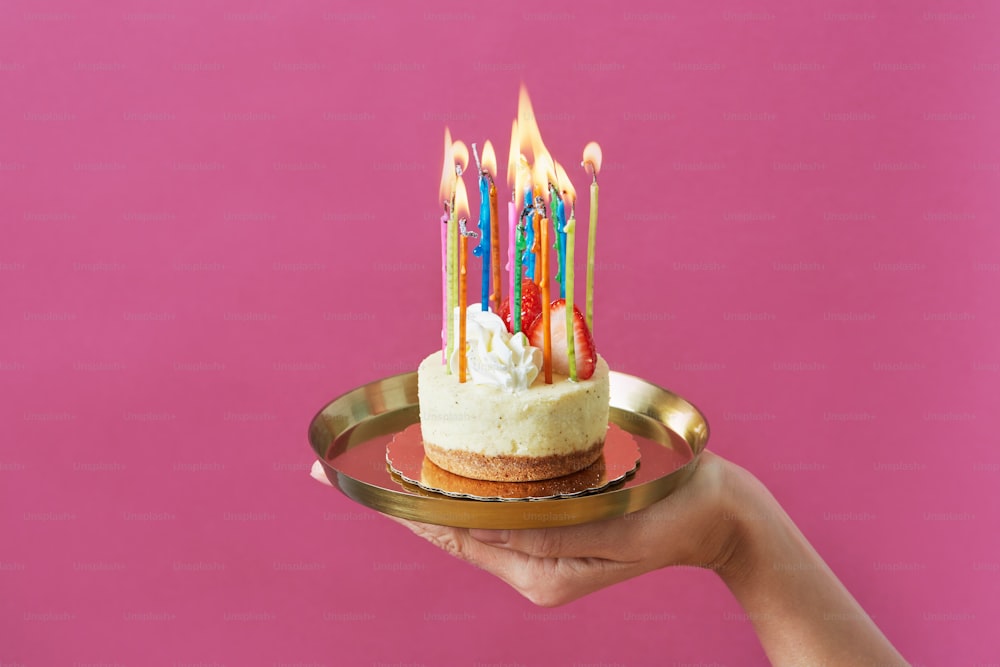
column 553, row 566
column 722, row 518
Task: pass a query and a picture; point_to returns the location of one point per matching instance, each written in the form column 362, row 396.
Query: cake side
column 545, row 420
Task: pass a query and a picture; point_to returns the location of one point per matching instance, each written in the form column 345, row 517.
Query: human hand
column 722, row 518
column 553, row 566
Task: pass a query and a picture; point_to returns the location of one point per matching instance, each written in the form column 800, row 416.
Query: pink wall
column 218, row 216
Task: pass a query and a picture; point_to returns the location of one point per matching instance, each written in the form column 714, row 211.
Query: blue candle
column 529, row 234
column 483, row 249
column 559, row 218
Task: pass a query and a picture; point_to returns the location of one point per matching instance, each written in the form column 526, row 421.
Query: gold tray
column 350, row 435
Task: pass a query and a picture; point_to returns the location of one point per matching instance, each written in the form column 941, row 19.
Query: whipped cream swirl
column 494, row 356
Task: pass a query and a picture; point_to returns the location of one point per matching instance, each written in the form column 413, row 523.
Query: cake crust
column 508, row 468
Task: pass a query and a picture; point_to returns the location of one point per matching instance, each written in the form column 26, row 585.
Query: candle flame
column 513, row 156
column 542, row 174
column 523, row 177
column 461, row 153
column 527, row 125
column 565, row 186
column 448, row 171
column 490, row 159
column 592, row 155
column 461, row 200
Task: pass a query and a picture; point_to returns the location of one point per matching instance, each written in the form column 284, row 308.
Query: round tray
column 350, row 435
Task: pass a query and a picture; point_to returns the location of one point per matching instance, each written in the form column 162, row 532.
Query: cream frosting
column 494, row 356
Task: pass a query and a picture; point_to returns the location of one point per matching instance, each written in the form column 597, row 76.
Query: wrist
column 740, row 510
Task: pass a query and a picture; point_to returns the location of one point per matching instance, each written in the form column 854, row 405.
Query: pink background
column 218, row 216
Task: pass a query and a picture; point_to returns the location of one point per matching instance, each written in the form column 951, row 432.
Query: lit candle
column 591, row 156
column 520, row 245
column 533, row 147
column 490, row 165
column 462, row 211
column 569, row 197
column 544, row 174
column 460, row 155
column 546, row 312
column 485, row 248
column 447, row 185
column 559, row 221
column 539, row 177
column 531, row 246
column 512, row 181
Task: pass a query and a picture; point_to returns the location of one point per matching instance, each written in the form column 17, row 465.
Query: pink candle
column 444, row 287
column 511, row 243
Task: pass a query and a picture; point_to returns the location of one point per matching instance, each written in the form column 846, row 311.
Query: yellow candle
column 462, row 213
column 591, row 241
column 569, row 202
column 447, row 194
column 592, row 158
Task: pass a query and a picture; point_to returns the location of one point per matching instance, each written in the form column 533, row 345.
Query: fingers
column 609, row 540
column 318, row 473
column 545, row 581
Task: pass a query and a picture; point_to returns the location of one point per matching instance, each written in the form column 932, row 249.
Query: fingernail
column 490, row 536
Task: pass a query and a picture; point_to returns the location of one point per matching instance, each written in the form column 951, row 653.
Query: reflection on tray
column 405, row 457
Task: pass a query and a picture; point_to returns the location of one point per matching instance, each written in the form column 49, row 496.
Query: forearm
column 800, row 610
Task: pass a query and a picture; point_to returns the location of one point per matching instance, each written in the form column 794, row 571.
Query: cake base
column 507, row 468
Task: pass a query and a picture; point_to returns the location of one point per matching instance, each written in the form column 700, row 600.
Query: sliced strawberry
column 531, row 306
column 583, row 343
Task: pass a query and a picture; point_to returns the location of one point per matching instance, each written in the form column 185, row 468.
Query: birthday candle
column 521, row 244
column 569, row 197
column 444, row 285
column 544, row 175
column 461, row 160
column 530, row 244
column 490, row 165
column 592, row 156
column 559, row 221
column 485, row 247
column 546, row 311
column 462, row 211
column 513, row 157
column 447, row 188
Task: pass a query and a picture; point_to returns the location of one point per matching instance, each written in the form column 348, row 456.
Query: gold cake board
column 350, row 434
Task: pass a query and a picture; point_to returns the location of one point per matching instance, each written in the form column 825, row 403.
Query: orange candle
column 546, row 311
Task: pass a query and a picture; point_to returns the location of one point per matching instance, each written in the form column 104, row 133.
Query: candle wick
column 526, row 213
column 475, row 154
column 592, row 170
column 540, row 206
column 463, row 231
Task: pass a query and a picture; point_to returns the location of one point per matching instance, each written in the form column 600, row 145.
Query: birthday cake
column 518, row 392
column 505, row 423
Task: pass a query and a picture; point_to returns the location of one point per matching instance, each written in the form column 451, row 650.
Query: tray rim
column 637, row 405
